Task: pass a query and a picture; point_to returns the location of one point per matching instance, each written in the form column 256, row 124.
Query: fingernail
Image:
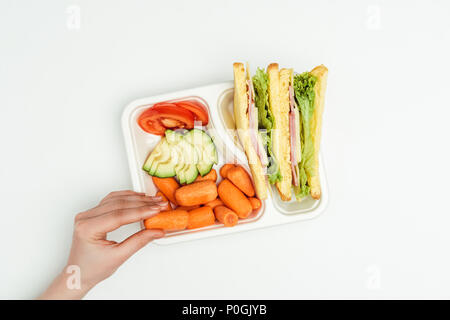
column 163, row 204
column 159, row 235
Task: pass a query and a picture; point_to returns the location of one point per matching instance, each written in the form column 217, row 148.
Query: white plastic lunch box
column 219, row 100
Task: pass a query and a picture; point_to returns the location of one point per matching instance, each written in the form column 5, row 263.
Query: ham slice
column 293, row 129
column 294, row 175
column 253, row 126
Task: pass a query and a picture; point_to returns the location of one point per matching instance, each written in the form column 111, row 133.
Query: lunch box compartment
column 145, row 142
column 293, row 207
column 226, row 112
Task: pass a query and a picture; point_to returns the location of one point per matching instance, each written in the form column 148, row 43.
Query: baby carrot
column 256, row 203
column 168, row 220
column 216, row 202
column 188, row 208
column 164, row 198
column 234, row 199
column 226, row 216
column 241, row 179
column 196, row 193
column 212, row 175
column 223, row 171
column 200, row 217
column 167, row 186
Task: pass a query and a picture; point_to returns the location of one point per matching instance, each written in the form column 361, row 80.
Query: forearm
column 93, row 257
column 65, row 288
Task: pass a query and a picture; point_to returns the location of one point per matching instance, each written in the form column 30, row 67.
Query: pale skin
column 92, row 254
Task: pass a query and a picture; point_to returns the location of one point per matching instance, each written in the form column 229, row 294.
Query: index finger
column 113, row 220
column 121, row 193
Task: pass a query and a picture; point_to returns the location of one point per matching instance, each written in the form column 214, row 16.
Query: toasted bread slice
column 242, row 126
column 321, row 73
column 278, row 94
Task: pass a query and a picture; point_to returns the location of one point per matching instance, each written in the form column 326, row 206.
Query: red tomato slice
column 196, row 108
column 162, row 116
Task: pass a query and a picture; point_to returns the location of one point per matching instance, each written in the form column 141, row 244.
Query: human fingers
column 135, row 197
column 118, row 197
column 116, row 205
column 114, row 219
column 137, row 241
column 120, row 193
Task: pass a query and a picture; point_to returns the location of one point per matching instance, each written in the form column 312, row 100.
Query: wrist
column 68, row 285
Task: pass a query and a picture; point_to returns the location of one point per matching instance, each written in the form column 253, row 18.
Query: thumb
column 137, row 241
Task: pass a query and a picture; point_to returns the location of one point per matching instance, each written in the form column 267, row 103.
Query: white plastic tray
column 219, row 99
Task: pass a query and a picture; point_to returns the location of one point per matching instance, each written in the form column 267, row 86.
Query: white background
column 385, row 233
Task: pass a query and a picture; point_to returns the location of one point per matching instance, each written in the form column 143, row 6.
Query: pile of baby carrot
column 202, row 202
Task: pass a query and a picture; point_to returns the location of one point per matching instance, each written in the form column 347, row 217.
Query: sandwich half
column 262, row 122
column 279, row 106
column 293, row 115
column 309, row 92
column 246, row 119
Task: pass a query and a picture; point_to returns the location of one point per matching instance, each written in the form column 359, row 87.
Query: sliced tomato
column 199, row 111
column 162, row 116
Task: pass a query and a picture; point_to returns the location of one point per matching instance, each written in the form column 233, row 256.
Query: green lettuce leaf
column 265, row 121
column 261, row 85
column 304, row 95
column 273, row 170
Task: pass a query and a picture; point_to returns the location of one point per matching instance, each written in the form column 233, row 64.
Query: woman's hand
column 93, row 258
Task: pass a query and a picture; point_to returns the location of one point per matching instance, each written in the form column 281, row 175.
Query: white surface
column 385, row 231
